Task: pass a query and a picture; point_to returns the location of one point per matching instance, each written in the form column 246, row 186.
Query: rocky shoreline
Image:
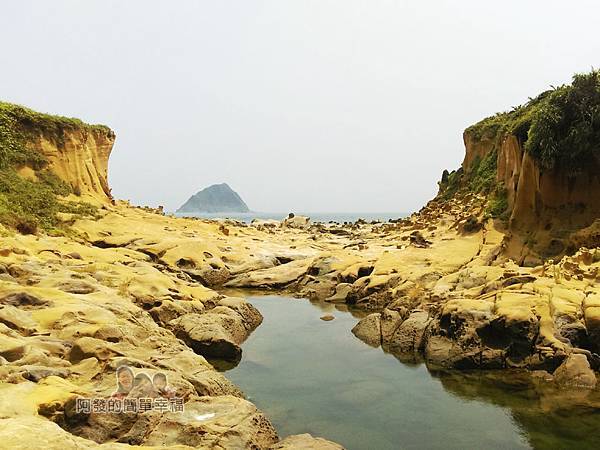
column 499, row 273
column 75, row 309
column 132, row 286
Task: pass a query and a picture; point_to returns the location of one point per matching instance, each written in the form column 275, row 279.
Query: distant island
column 217, row 198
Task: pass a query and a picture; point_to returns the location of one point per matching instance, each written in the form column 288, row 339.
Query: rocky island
column 218, row 198
column 499, row 272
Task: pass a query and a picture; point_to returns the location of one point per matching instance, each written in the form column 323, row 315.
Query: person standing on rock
column 124, row 381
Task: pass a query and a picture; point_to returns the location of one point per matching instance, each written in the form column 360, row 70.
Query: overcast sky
column 345, row 105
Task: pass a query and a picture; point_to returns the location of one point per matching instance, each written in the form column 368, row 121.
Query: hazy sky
column 299, row 105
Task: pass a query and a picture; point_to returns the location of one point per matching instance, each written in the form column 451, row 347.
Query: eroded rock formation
column 465, row 283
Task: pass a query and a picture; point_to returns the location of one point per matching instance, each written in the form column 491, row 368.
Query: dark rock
column 215, row 199
column 23, row 300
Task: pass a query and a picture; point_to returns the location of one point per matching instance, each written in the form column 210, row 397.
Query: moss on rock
column 29, row 203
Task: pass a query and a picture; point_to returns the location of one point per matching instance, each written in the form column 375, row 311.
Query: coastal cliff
column 501, row 271
column 52, row 169
column 77, row 303
column 74, row 151
column 539, row 168
column 547, row 206
column 80, row 158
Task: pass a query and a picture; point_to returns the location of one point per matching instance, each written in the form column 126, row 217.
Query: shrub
column 565, row 129
column 26, row 204
column 483, row 173
column 559, row 128
column 26, row 226
column 450, row 183
column 498, row 203
column 13, row 143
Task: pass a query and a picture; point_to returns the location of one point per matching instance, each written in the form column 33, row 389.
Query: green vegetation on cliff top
column 26, row 204
column 20, row 125
column 560, row 128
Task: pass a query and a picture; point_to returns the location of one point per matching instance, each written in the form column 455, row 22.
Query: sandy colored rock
column 17, row 319
column 390, row 321
column 408, row 337
column 575, row 371
column 301, row 222
column 211, row 335
column 342, row 291
column 133, row 286
column 305, row 442
column 34, row 432
column 368, row 330
column 215, row 422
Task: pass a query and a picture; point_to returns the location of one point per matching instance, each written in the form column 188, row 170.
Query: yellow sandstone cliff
column 80, row 158
column 546, row 206
column 73, row 150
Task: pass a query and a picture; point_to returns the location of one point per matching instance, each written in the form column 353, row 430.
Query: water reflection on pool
column 313, row 376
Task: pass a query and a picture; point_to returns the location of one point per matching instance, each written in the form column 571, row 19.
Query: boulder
column 274, row 277
column 441, row 352
column 258, row 262
column 575, row 371
column 408, row 337
column 28, row 432
column 368, row 330
column 109, row 333
column 198, row 372
column 18, row 320
column 342, row 290
column 214, row 422
column 305, row 442
column 251, row 317
column 87, row 347
column 212, row 335
column 292, row 221
column 170, row 309
column 390, row 321
column 211, row 277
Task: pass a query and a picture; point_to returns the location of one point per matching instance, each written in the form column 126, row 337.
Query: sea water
column 323, row 217
column 313, row 376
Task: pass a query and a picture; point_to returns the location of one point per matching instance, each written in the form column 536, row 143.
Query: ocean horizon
column 322, row 217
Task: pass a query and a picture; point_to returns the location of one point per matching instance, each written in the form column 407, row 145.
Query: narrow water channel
column 313, row 376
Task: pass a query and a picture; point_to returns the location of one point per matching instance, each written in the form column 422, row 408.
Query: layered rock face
column 76, row 152
column 538, row 166
column 547, row 207
column 80, row 158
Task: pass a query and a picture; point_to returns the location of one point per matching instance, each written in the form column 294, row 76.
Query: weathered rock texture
column 449, row 285
column 81, row 159
column 75, row 307
column 546, row 207
column 75, row 151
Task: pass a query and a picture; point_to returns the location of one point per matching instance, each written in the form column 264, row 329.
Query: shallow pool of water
column 312, row 376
